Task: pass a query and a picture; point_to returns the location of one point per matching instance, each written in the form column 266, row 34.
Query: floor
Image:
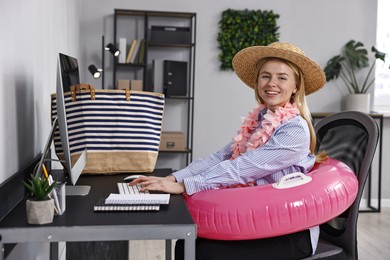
column 373, row 240
column 374, row 235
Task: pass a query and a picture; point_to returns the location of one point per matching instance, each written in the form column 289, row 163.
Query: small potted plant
column 40, row 207
column 354, row 58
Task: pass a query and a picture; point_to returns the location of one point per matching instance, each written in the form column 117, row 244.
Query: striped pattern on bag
column 110, row 123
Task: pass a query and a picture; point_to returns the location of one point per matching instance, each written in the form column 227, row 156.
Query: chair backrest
column 350, row 137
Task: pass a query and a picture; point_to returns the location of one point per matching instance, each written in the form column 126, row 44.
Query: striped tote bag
column 120, row 129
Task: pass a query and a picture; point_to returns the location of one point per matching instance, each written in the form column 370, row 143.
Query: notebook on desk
column 131, row 200
column 138, row 199
column 101, row 205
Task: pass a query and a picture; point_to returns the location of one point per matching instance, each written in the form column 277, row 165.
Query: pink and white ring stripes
column 266, row 211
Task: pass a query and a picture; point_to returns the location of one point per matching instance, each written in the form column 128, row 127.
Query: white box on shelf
column 122, row 49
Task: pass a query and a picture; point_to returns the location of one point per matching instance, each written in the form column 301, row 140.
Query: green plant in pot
column 40, row 207
column 347, row 65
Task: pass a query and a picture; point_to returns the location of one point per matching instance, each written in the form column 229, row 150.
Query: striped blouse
column 285, row 152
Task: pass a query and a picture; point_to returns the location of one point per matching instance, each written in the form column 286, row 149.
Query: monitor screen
column 68, row 75
column 69, row 70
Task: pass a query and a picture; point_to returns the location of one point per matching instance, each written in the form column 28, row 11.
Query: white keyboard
column 125, row 188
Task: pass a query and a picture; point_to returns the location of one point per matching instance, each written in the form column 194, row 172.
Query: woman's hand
column 165, row 184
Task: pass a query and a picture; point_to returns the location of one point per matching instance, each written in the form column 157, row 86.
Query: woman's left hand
column 159, row 184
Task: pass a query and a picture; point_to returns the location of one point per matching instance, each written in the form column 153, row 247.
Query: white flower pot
column 358, row 102
column 40, row 212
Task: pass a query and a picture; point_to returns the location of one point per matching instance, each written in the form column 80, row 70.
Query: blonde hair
column 299, row 98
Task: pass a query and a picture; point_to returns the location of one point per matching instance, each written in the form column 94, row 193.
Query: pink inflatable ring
column 295, row 203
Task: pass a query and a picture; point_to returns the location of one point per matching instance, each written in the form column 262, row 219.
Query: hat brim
column 244, row 64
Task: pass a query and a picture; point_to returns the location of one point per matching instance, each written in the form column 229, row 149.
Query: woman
column 275, row 139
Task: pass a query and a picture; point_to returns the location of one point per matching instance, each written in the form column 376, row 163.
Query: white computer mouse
column 132, row 177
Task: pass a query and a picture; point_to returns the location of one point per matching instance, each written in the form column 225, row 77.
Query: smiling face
column 276, row 83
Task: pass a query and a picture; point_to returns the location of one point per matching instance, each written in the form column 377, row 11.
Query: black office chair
column 350, row 137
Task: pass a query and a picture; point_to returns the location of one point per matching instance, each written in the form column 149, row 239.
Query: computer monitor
column 67, row 75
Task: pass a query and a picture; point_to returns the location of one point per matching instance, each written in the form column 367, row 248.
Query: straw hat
column 244, row 64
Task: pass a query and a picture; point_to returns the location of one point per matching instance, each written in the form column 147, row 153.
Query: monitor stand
column 70, row 190
column 75, row 172
column 77, row 190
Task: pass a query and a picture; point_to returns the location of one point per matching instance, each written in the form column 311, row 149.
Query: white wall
column 320, row 28
column 32, row 34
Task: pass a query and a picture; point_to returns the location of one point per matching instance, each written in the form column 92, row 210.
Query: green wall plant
column 243, row 28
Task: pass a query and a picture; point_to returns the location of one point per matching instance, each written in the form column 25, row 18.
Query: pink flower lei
column 248, row 140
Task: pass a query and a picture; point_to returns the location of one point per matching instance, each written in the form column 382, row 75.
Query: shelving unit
column 179, row 110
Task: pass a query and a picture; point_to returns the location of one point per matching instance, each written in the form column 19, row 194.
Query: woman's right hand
column 170, row 178
column 166, row 184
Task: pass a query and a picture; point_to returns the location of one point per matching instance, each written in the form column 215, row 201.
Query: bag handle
column 76, row 88
column 127, row 93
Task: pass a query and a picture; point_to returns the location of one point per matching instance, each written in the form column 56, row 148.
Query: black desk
column 371, row 208
column 81, row 223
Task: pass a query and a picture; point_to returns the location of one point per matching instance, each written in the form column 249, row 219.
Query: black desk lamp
column 96, row 73
column 113, row 49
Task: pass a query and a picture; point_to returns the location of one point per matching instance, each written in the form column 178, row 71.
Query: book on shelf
column 148, row 84
column 141, row 52
column 122, row 49
column 133, row 58
column 101, row 205
column 131, row 50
